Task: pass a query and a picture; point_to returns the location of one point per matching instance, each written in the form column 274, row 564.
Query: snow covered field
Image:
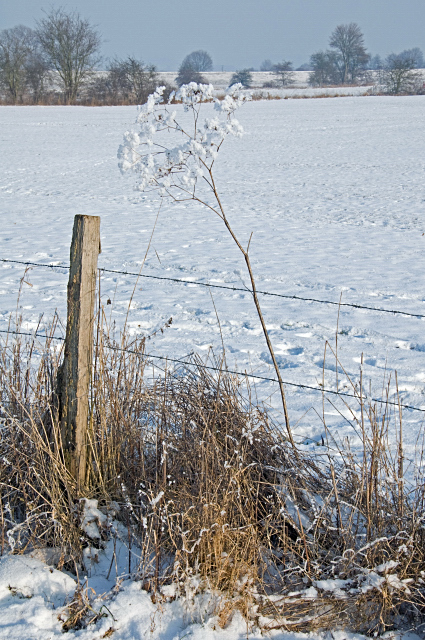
column 333, row 191
column 221, row 79
column 299, row 87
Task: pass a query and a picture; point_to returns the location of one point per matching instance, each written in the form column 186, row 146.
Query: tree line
column 58, row 61
column 347, row 61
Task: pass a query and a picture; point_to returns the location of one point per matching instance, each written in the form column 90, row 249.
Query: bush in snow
column 243, row 77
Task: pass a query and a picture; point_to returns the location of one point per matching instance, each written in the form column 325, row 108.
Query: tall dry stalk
column 176, row 171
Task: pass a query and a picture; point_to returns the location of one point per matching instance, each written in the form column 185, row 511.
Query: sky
column 237, row 33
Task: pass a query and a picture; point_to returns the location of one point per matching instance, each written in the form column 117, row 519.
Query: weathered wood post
column 74, row 376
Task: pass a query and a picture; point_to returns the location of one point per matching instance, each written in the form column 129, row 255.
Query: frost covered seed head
column 173, row 169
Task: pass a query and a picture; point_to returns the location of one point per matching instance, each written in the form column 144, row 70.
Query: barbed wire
column 36, row 264
column 32, row 334
column 230, row 288
column 229, row 371
column 264, row 378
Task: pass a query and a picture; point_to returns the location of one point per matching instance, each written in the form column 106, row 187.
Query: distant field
column 221, row 79
column 300, row 86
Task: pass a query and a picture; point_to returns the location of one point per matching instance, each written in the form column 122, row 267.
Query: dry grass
column 212, row 493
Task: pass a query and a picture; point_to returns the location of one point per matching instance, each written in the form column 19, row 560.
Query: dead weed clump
column 79, row 613
column 212, row 494
column 293, row 541
column 37, row 492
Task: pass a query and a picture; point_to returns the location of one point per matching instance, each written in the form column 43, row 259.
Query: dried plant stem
column 220, row 212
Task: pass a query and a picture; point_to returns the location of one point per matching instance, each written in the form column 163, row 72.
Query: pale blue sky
column 237, row 33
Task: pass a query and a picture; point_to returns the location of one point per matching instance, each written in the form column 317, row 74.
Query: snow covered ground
column 32, row 596
column 221, row 79
column 298, row 88
column 333, row 191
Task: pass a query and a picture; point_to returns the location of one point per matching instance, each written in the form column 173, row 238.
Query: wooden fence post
column 74, row 376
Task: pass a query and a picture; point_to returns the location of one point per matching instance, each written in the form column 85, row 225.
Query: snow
column 299, row 88
column 30, row 593
column 221, row 79
column 34, row 599
column 92, row 518
column 333, row 192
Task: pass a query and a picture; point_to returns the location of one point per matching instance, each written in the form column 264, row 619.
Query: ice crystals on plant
column 174, row 169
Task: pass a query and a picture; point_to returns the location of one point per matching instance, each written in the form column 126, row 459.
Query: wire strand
column 257, row 377
column 243, row 289
column 232, row 372
column 31, row 334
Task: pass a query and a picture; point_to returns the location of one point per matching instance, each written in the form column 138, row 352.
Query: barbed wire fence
column 187, row 364
column 222, row 286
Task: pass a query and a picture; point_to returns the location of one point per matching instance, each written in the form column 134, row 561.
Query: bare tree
column 16, row 45
column 284, row 73
column 192, row 67
column 348, row 42
column 133, row 79
column 375, row 62
column 37, row 70
column 266, row 65
column 415, row 55
column 199, row 60
column 71, row 45
column 187, row 74
column 324, row 68
column 399, row 75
